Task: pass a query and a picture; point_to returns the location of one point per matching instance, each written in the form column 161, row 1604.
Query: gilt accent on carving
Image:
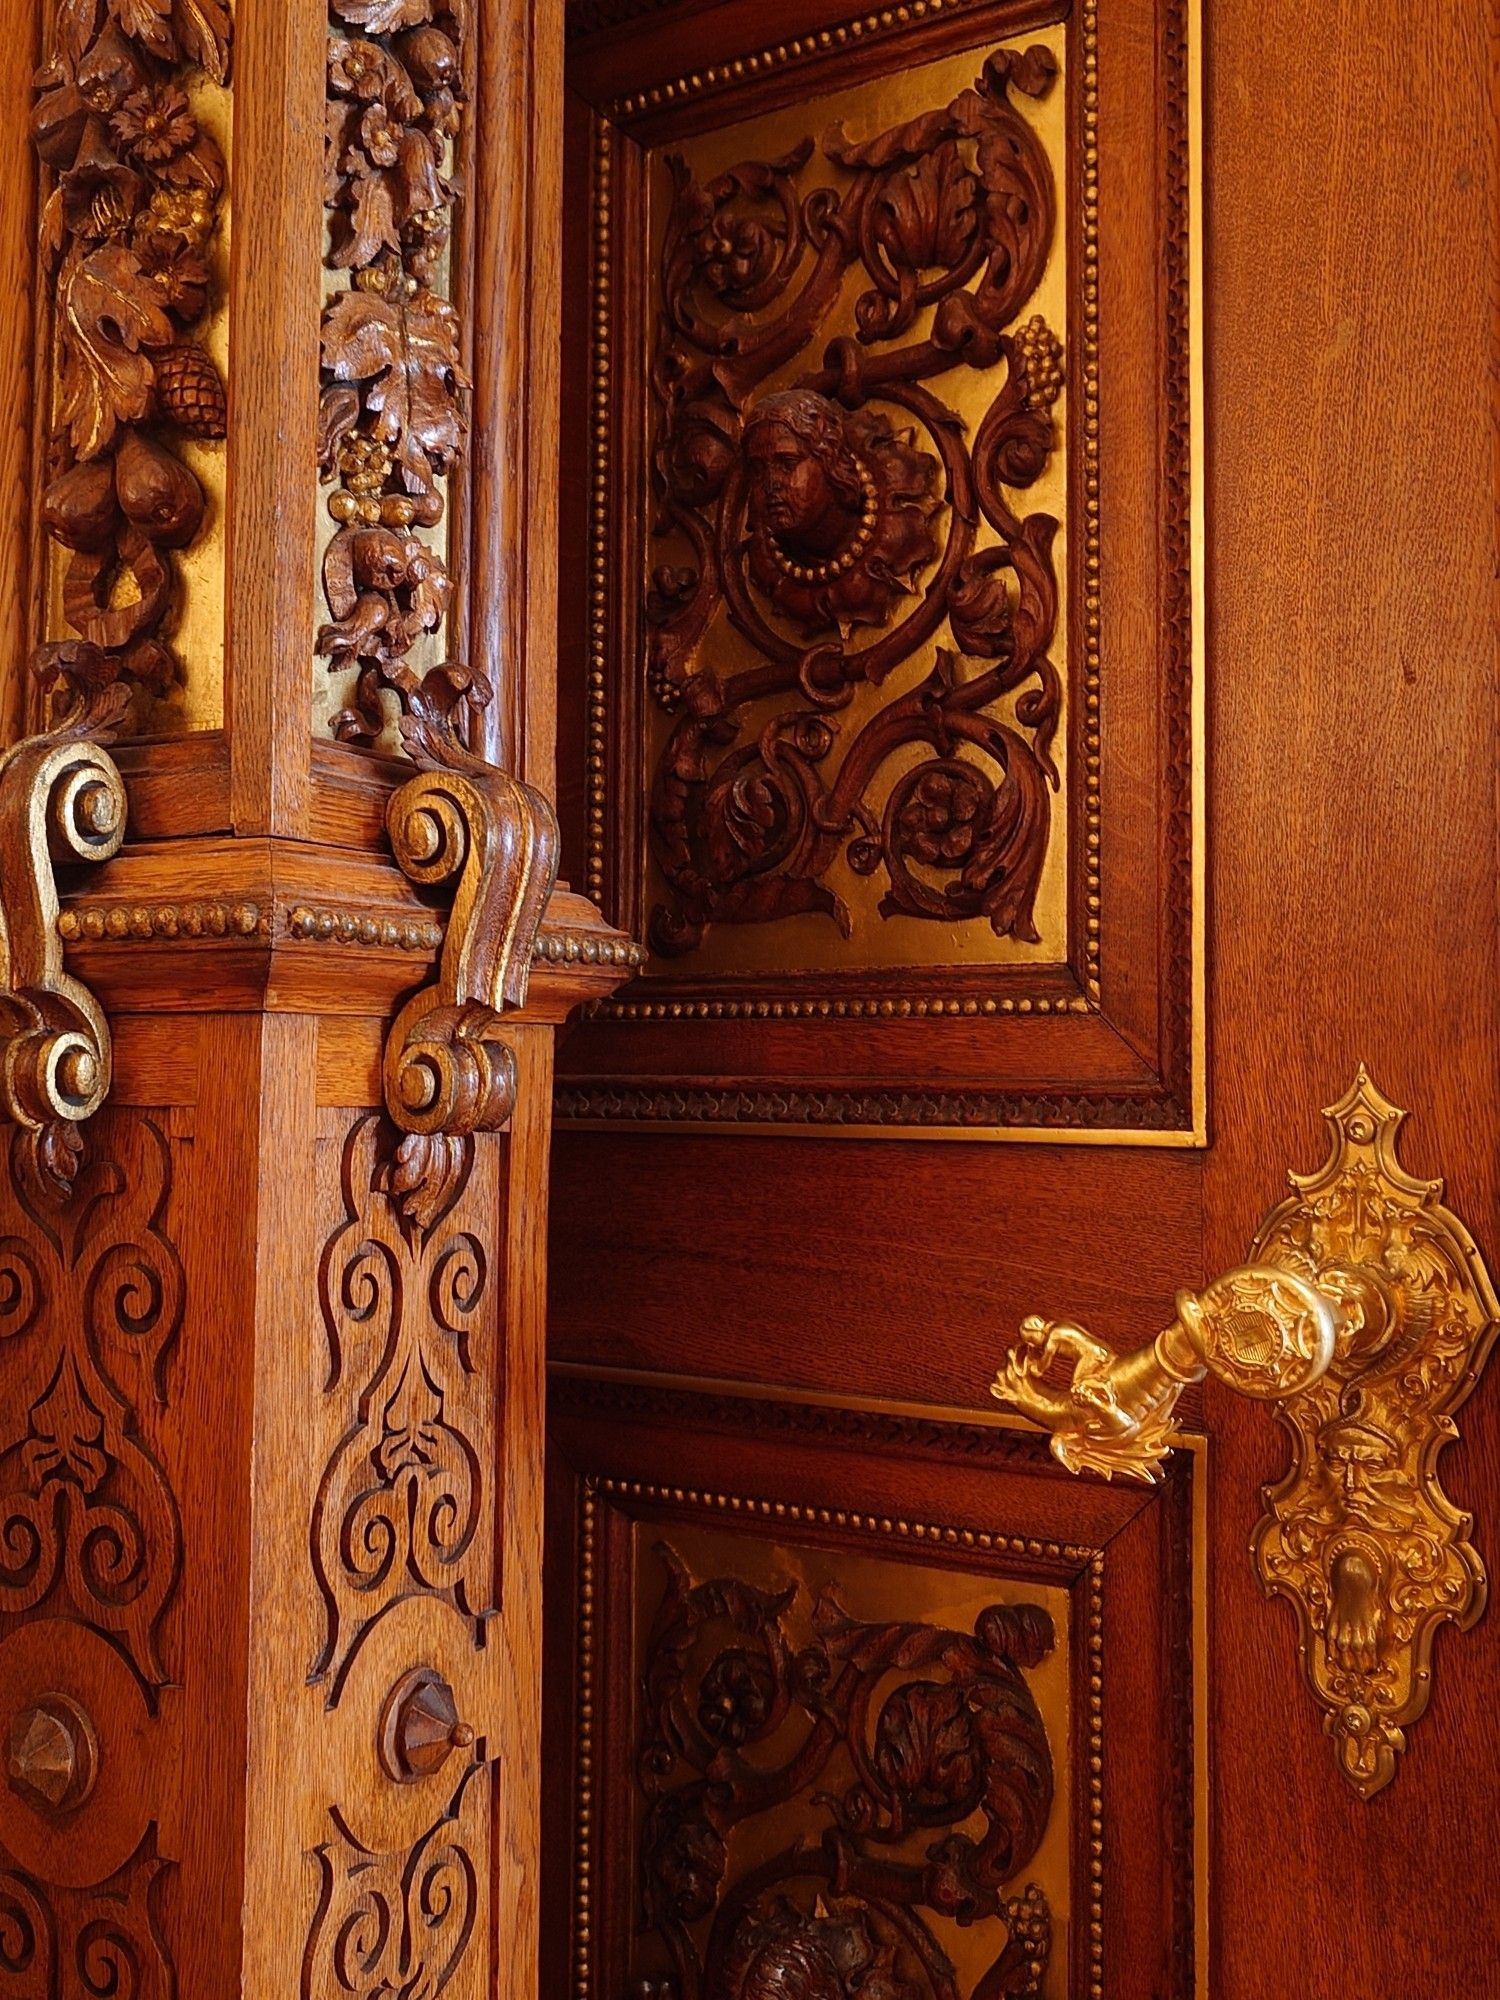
column 127, row 233
column 61, row 799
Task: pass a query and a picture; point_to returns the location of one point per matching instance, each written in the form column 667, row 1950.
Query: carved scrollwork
column 405, row 1507
column 61, row 799
column 448, row 1070
column 89, row 1525
column 845, row 524
column 910, row 1780
column 127, row 231
column 398, row 1924
column 69, row 1944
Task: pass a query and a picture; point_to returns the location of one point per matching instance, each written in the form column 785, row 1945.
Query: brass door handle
column 1365, row 1315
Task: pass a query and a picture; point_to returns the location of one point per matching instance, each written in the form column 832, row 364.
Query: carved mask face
column 790, row 492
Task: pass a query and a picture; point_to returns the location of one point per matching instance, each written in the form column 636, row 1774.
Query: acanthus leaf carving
column 126, row 237
column 911, row 1780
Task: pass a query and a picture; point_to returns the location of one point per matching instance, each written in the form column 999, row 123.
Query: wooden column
column 272, row 1221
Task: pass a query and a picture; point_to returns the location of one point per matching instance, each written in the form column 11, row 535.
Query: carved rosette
column 127, row 234
column 394, row 410
column 848, row 526
column 1360, row 1536
column 910, row 1783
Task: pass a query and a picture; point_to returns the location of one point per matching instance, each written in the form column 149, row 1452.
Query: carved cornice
column 136, row 193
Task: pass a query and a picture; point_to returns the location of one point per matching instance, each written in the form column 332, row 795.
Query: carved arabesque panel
column 836, row 1804
column 406, row 1505
column 91, row 1303
column 68, row 1944
column 853, row 604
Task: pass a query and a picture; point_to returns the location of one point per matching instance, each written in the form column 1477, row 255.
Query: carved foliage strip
column 846, row 524
column 394, row 415
column 405, row 1506
column 65, row 1944
column 127, row 232
column 91, row 1302
column 904, row 1770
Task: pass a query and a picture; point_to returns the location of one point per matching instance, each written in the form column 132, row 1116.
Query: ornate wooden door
column 1027, row 683
column 282, row 954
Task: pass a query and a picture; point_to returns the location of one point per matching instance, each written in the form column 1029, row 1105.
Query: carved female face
column 791, row 494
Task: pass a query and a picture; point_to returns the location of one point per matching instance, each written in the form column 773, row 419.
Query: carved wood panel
column 873, row 749
column 92, row 1303
column 858, row 1707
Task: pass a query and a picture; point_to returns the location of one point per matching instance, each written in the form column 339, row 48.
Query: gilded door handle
column 1365, row 1315
column 1261, row 1329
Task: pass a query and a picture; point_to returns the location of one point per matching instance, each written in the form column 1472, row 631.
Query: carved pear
column 79, row 507
column 157, row 492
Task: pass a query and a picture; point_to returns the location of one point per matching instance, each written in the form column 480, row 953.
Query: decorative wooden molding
column 60, row 795
column 128, row 225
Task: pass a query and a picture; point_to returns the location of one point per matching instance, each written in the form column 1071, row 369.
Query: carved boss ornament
column 845, row 521
column 1366, row 1318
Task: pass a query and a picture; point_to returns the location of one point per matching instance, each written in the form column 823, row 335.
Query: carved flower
column 179, row 273
column 356, row 69
column 155, row 125
column 736, row 1697
column 100, row 193
column 737, row 255
column 184, row 212
column 940, row 818
column 380, row 136
column 110, row 71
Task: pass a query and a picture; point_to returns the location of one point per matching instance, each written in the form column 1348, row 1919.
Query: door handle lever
column 1365, row 1315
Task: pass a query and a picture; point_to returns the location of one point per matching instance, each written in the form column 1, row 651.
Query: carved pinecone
column 1040, row 354
column 190, row 392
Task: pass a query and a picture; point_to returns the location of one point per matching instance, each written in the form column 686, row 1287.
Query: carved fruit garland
column 126, row 231
column 393, row 418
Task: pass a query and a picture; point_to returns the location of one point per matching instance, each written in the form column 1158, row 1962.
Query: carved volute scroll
column 128, row 227
column 61, row 798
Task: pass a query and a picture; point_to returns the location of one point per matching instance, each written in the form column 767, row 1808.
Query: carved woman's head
column 807, row 487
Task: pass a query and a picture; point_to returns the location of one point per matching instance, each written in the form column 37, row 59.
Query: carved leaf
column 409, row 356
column 148, row 21
column 203, row 32
column 930, row 216
column 383, row 17
column 77, row 21
column 110, row 312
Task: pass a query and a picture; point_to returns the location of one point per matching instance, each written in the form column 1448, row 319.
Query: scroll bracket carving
column 1366, row 1318
column 61, row 800
column 448, row 1071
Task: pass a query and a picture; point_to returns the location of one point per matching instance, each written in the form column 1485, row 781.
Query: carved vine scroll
column 127, row 232
column 394, row 411
column 896, row 1773
column 842, row 520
